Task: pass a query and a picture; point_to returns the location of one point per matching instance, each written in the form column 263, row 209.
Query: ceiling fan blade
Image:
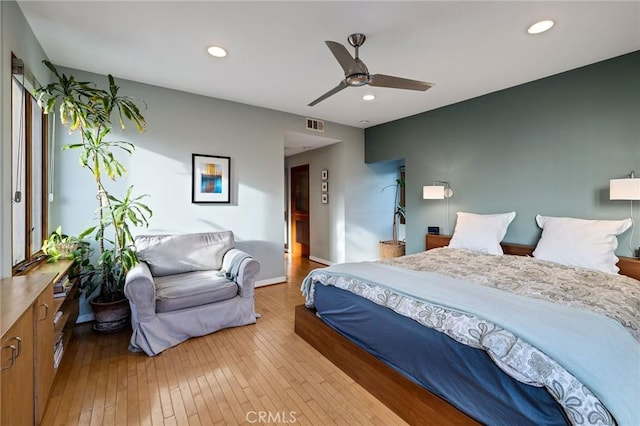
column 331, row 92
column 342, row 55
column 381, row 80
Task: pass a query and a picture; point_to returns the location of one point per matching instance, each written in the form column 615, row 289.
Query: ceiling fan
column 356, row 72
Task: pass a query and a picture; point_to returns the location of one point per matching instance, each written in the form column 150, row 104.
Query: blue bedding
column 588, row 361
column 464, row 376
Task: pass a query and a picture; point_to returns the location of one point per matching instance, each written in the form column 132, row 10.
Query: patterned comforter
column 617, row 297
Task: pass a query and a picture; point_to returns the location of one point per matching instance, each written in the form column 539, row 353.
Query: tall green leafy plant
column 88, row 110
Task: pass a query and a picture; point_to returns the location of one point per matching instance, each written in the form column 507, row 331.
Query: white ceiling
column 277, row 56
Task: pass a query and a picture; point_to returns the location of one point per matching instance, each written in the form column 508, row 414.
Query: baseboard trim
column 319, row 260
column 276, row 280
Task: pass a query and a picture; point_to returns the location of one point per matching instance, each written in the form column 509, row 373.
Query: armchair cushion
column 191, row 289
column 179, row 253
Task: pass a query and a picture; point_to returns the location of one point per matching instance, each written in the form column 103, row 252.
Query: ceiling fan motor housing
column 356, row 40
column 358, row 73
column 357, row 79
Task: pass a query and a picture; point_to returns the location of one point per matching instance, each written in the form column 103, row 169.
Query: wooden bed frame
column 408, row 400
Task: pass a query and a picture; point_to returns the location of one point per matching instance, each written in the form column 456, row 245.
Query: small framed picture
column 324, row 175
column 325, row 186
column 210, row 181
column 324, row 198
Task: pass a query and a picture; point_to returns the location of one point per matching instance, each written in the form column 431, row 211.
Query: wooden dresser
column 28, row 336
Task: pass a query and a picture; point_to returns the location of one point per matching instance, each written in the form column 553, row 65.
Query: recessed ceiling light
column 540, row 26
column 368, row 97
column 217, row 51
column 364, row 121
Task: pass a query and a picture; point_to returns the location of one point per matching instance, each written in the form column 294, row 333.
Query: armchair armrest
column 141, row 291
column 242, row 269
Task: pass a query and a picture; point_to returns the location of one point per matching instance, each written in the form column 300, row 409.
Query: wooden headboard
column 628, row 266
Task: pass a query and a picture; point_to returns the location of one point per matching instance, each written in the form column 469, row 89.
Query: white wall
column 180, row 124
column 359, row 213
column 16, row 37
column 326, row 221
column 5, row 162
column 3, row 152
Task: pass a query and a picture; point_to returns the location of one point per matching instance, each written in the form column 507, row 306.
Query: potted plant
column 88, row 110
column 394, row 247
column 60, row 246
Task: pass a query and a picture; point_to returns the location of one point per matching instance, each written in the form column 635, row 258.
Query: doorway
column 300, row 235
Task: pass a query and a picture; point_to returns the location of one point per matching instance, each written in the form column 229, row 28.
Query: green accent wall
column 546, row 147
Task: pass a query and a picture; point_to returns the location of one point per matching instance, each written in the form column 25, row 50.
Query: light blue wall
column 546, row 147
column 15, row 36
column 369, row 206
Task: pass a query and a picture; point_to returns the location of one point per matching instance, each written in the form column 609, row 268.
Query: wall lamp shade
column 438, row 191
column 624, row 189
column 433, row 192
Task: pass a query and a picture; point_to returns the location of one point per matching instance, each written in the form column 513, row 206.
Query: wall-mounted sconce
column 438, row 191
column 626, row 189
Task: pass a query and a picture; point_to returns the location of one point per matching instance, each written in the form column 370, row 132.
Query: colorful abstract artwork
column 210, row 179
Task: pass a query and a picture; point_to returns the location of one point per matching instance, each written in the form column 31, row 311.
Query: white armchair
column 188, row 285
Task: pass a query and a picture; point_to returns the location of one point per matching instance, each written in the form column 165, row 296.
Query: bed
column 495, row 376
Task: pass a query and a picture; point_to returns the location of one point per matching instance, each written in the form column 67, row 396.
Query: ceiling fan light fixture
column 356, row 80
column 368, row 97
column 217, row 51
column 540, row 26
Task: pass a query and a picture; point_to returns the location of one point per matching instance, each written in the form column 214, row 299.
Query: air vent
column 316, row 125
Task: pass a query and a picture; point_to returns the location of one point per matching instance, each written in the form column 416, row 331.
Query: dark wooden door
column 300, row 211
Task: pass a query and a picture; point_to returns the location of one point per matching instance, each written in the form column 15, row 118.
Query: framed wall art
column 210, row 181
column 324, row 196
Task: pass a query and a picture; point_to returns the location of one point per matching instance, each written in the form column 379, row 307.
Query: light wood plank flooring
column 256, row 374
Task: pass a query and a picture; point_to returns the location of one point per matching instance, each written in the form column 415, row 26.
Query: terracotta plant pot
column 111, row 316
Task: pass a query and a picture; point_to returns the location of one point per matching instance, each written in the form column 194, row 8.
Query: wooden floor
column 256, row 374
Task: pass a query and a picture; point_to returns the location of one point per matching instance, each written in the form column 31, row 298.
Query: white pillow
column 481, row 232
column 579, row 242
